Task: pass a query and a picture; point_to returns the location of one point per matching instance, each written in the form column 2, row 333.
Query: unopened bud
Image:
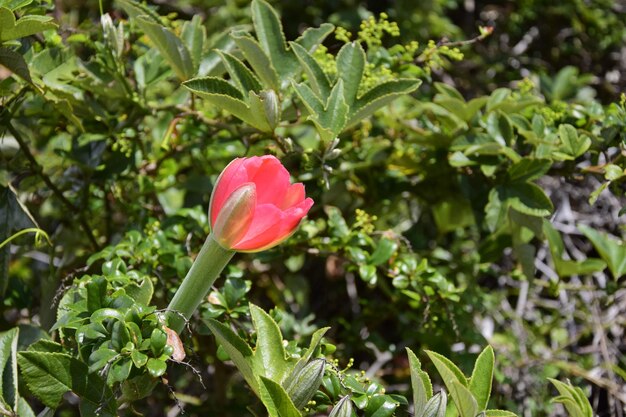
column 272, row 107
column 436, row 406
column 303, row 384
column 343, row 408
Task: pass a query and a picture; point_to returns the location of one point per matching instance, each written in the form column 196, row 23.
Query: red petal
column 271, row 179
column 295, row 195
column 231, row 178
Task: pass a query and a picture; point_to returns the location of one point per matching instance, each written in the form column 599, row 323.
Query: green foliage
column 483, row 210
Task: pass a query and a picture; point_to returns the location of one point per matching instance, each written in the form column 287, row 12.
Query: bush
column 475, row 228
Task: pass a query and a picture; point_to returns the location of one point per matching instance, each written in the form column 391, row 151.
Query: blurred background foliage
column 452, row 219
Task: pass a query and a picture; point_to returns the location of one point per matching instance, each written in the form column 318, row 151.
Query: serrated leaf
column 276, row 400
column 576, row 404
column 380, row 96
column 258, row 60
column 169, row 45
column 237, row 349
column 463, row 399
column 225, row 96
column 316, row 76
column 312, row 102
column 449, row 371
column 50, row 375
column 611, row 250
column 482, row 377
column 240, row 74
column 269, row 32
column 269, row 355
column 333, row 118
column 193, row 35
column 211, row 63
column 15, row 63
column 350, row 67
column 420, row 384
column 135, row 9
column 10, row 28
column 312, row 37
column 9, row 396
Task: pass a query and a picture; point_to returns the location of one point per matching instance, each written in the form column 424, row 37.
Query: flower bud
column 271, row 105
column 304, row 384
column 343, row 408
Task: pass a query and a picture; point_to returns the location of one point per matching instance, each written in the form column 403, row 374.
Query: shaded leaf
column 611, row 250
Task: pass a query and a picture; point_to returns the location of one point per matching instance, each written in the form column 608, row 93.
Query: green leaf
column 240, row 74
column 420, row 384
column 312, row 102
column 269, row 355
column 499, row 413
column 350, row 67
column 463, row 399
column 193, row 35
column 9, row 396
column 237, row 349
column 497, row 97
column 315, row 75
column 385, row 248
column 333, row 119
column 169, row 45
column 449, row 371
column 576, row 404
column 50, row 375
column 380, row 96
column 276, row 400
column 15, row 63
column 258, row 60
column 448, row 90
column 269, row 32
column 225, row 96
column 156, row 367
column 141, row 293
column 381, row 406
column 135, row 9
column 611, row 250
column 572, row 145
column 527, row 198
column 14, row 4
column 312, row 37
column 528, row 169
column 25, row 26
column 482, row 377
column 566, row 268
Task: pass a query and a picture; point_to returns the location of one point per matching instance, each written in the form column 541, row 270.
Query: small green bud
column 343, row 408
column 303, row 384
column 272, row 107
column 436, row 406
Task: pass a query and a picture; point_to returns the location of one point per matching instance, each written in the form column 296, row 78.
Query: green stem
column 208, row 265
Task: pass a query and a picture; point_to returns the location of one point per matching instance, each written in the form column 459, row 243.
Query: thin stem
column 73, row 209
column 208, row 265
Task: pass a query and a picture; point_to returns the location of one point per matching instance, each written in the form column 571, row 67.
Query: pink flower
column 254, row 206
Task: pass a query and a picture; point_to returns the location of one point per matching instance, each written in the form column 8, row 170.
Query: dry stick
column 39, row 170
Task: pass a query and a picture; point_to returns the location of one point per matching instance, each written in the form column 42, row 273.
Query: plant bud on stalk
column 253, row 207
column 343, row 408
column 271, row 106
column 303, row 386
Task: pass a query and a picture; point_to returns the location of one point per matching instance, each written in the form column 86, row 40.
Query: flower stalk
column 208, row 265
